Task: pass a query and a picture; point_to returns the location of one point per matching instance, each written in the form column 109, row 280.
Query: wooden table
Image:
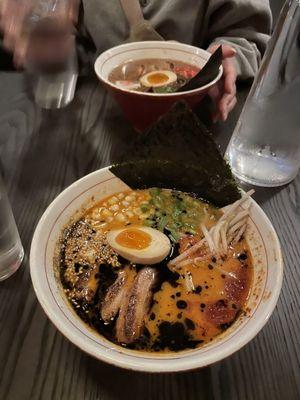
column 41, row 153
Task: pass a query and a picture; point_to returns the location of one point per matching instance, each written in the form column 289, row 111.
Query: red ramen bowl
column 142, row 109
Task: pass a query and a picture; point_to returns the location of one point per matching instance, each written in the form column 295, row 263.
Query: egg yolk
column 134, row 238
column 157, row 78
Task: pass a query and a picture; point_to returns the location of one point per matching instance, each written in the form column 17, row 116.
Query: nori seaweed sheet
column 178, row 153
column 207, row 74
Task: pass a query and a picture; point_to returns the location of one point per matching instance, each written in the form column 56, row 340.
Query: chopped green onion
column 162, row 223
column 144, row 208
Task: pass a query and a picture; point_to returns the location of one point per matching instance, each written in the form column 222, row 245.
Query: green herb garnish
column 176, row 213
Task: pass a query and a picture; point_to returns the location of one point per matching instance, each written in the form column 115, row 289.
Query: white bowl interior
column 115, row 56
column 267, row 260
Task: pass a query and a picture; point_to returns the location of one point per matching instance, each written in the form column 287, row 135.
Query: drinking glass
column 11, row 250
column 51, row 54
column 265, row 146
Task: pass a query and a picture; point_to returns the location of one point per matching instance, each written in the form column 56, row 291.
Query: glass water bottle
column 265, row 146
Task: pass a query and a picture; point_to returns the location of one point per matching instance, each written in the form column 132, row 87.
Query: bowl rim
column 136, row 363
column 103, row 56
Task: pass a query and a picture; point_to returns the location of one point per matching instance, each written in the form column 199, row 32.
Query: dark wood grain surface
column 41, row 153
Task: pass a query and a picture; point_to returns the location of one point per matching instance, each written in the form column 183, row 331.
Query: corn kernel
column 106, row 213
column 129, row 214
column 114, row 208
column 121, row 196
column 125, row 203
column 129, row 198
column 95, row 214
column 120, row 217
column 113, row 200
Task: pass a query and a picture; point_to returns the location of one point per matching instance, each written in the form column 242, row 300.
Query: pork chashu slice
column 116, row 294
column 135, row 307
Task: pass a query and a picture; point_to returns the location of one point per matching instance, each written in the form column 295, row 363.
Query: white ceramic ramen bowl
column 268, row 271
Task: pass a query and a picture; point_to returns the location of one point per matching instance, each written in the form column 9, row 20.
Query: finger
column 226, row 106
column 20, row 53
column 12, row 24
column 223, row 115
column 8, row 12
column 230, row 76
column 221, row 98
column 74, row 11
column 230, row 107
column 3, row 8
column 232, row 104
column 225, row 100
column 227, row 50
column 215, row 92
column 222, row 105
column 14, row 37
column 8, row 39
column 11, row 34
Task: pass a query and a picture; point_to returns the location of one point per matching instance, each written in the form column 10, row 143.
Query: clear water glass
column 265, row 146
column 51, row 56
column 11, row 250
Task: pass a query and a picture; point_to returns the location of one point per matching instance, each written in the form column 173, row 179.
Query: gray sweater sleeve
column 242, row 24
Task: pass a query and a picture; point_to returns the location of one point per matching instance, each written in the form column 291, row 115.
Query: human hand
column 13, row 24
column 12, row 16
column 224, row 92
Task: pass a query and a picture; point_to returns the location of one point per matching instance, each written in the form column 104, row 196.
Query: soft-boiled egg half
column 158, row 78
column 140, row 245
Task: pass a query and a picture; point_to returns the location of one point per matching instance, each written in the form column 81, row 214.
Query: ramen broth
column 176, row 316
column 152, row 75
